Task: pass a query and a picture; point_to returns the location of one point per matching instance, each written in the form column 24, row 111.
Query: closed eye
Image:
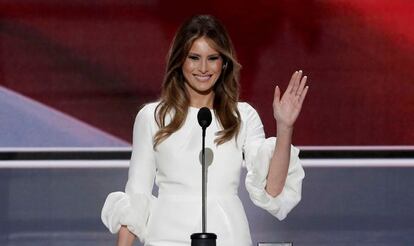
column 195, row 58
column 213, row 58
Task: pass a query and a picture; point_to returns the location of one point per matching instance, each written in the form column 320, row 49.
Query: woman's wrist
column 283, row 129
column 125, row 237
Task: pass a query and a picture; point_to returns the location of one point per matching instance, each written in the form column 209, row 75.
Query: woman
column 202, row 71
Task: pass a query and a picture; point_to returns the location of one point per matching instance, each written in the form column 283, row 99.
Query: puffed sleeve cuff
column 129, row 210
column 258, row 168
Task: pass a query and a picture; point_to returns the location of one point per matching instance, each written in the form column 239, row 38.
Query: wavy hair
column 174, row 97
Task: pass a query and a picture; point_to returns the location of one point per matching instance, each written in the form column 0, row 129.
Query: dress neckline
column 197, row 109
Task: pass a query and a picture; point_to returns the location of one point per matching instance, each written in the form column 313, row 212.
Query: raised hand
column 286, row 109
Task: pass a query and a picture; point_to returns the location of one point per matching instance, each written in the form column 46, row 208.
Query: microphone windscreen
column 204, row 117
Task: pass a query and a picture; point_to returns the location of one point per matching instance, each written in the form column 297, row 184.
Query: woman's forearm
column 279, row 164
column 125, row 237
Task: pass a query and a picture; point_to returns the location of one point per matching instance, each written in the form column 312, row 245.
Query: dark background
column 99, row 61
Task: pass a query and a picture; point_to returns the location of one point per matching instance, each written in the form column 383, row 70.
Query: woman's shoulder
column 151, row 107
column 249, row 115
column 246, row 109
column 147, row 110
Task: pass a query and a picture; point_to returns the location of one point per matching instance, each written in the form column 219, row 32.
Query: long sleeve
column 258, row 152
column 132, row 207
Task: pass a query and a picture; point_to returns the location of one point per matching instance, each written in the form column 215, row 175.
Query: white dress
column 170, row 218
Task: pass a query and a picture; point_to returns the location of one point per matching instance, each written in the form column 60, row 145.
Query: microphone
column 204, row 238
column 204, row 117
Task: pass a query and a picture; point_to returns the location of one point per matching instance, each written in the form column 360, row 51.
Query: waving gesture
column 286, row 109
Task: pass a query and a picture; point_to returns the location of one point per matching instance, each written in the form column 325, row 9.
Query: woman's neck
column 199, row 101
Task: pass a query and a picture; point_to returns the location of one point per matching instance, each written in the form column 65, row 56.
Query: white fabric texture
column 175, row 214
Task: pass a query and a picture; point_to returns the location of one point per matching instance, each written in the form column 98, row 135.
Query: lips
column 202, row 78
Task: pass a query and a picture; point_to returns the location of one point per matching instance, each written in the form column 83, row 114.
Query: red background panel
column 100, row 60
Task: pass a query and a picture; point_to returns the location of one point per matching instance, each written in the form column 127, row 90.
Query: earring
column 225, row 65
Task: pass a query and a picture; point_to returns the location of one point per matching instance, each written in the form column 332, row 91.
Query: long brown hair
column 174, row 97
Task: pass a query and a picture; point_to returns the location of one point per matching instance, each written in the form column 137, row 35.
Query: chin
column 201, row 89
column 203, row 86
column 204, row 90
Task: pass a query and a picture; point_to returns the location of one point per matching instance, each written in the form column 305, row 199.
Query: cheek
column 216, row 67
column 188, row 69
column 187, row 66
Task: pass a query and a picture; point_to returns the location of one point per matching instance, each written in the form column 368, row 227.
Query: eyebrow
column 195, row 54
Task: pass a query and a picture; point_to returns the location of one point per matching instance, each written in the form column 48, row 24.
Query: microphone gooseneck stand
column 204, row 238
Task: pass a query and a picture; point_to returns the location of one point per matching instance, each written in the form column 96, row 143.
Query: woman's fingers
column 296, row 82
column 301, row 86
column 289, row 89
column 296, row 89
column 303, row 95
column 276, row 97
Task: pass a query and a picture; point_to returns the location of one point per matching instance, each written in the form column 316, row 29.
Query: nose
column 203, row 66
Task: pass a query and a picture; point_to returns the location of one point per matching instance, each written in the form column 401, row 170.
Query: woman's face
column 202, row 67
